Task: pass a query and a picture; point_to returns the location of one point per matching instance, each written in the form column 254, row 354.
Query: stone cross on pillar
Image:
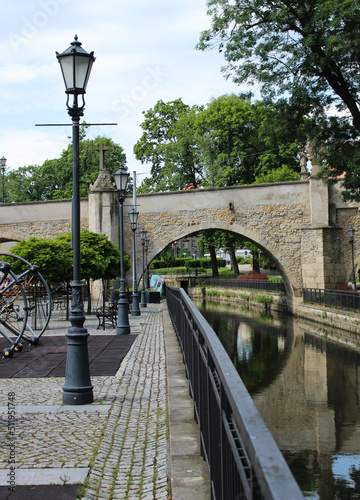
column 101, row 148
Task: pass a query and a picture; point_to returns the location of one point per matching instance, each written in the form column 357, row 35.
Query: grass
column 224, row 272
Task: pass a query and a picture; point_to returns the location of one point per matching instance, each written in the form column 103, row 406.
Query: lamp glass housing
column 76, row 66
column 143, row 234
column 147, row 243
column 3, row 161
column 121, row 177
column 133, row 216
column 351, row 233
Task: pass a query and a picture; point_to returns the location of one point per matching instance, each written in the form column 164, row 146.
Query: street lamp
column 351, row 240
column 121, row 177
column 143, row 293
column 3, row 163
column 135, row 311
column 76, row 66
column 146, row 262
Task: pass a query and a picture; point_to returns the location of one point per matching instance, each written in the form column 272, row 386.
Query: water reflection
column 306, row 389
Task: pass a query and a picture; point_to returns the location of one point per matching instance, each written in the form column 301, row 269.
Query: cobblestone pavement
column 119, row 443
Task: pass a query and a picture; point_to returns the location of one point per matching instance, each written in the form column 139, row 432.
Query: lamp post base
column 143, row 299
column 78, row 389
column 135, row 311
column 123, row 326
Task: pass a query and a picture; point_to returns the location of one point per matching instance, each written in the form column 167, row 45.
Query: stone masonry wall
column 48, row 229
column 275, row 228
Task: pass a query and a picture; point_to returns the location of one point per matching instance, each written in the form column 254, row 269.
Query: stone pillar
column 319, row 202
column 104, row 208
column 103, row 215
column 322, row 257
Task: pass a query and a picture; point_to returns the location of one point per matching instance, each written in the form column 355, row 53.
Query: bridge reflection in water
column 307, row 391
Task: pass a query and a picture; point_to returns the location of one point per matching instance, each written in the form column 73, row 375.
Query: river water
column 307, row 391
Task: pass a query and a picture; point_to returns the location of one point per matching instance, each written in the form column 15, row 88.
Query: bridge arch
column 290, row 281
column 303, row 226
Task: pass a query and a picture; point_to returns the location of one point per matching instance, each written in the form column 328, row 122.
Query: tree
column 281, row 174
column 51, row 256
column 168, row 144
column 99, row 257
column 240, row 139
column 309, row 49
column 53, row 179
column 229, row 142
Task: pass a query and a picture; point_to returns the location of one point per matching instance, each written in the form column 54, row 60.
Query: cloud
column 144, row 52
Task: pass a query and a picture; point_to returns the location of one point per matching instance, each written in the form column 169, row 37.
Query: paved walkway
column 116, row 448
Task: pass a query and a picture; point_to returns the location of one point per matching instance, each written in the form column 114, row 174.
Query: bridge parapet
column 301, row 225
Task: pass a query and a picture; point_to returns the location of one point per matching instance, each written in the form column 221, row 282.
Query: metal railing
column 270, row 286
column 243, row 459
column 332, row 298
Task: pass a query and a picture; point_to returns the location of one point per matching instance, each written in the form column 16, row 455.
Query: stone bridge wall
column 303, row 226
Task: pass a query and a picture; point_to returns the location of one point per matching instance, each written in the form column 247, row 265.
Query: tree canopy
column 99, row 257
column 53, row 179
column 308, row 49
column 168, row 144
column 229, row 142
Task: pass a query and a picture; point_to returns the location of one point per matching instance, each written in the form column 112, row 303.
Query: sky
column 145, row 51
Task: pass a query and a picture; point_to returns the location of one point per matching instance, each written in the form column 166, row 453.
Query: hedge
column 186, row 262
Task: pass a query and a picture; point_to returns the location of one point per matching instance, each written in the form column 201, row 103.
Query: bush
column 243, row 260
column 345, row 288
column 264, row 299
column 253, row 275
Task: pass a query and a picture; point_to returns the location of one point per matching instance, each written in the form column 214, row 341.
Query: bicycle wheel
column 38, row 297
column 13, row 309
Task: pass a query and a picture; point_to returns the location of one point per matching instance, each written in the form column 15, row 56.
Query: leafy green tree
column 281, row 174
column 307, row 49
column 168, row 144
column 53, row 179
column 51, row 256
column 306, row 52
column 209, row 240
column 99, row 257
column 240, row 140
column 167, row 255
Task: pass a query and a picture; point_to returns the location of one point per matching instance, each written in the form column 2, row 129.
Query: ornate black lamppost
column 3, row 163
column 351, row 240
column 146, row 262
column 135, row 311
column 121, row 177
column 143, row 293
column 76, row 66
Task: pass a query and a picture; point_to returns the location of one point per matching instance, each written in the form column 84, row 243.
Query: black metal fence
column 243, row 459
column 332, row 298
column 270, row 286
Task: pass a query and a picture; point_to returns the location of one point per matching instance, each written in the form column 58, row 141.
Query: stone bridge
column 302, row 226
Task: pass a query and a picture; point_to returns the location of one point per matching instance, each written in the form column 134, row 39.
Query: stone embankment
column 339, row 325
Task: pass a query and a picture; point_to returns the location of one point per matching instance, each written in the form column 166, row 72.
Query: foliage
column 242, row 139
column 53, row 179
column 282, row 174
column 304, row 49
column 99, row 257
column 168, row 144
column 53, row 258
column 185, row 263
column 229, row 142
column 264, row 299
column 253, row 275
column 306, row 54
column 336, row 151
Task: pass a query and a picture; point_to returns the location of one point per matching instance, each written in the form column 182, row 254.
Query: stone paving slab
column 70, row 475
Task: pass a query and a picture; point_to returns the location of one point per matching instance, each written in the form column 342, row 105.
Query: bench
column 108, row 315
